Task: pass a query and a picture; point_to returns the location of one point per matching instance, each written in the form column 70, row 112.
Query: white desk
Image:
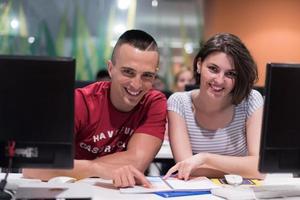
column 103, row 189
column 165, row 151
column 91, row 187
column 163, row 156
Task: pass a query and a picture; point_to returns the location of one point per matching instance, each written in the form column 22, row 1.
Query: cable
column 11, row 153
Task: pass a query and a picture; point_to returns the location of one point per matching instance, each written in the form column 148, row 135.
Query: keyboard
column 258, row 192
column 276, row 191
column 13, row 184
column 234, row 193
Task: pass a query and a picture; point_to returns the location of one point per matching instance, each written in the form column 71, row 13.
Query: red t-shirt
column 101, row 129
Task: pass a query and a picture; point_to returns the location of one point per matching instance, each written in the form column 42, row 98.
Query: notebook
column 167, row 194
column 173, row 184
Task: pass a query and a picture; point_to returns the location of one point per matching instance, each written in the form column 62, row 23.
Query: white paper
column 198, row 183
column 172, row 184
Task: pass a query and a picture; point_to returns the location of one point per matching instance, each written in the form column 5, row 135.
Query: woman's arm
column 246, row 166
column 212, row 165
column 178, row 137
column 181, row 148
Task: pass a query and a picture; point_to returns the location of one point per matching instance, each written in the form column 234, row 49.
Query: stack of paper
column 173, row 184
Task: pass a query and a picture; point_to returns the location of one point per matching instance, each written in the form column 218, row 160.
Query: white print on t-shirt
column 108, row 141
column 106, row 149
column 111, row 133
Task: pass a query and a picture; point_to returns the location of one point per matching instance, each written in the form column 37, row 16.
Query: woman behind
column 215, row 130
column 182, row 78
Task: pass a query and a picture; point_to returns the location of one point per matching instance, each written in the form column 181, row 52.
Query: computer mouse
column 62, row 179
column 233, row 179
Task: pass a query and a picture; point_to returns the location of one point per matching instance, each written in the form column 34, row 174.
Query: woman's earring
column 198, row 67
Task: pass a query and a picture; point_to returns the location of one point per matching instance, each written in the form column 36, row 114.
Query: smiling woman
column 215, row 130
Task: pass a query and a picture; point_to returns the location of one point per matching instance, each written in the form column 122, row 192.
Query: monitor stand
column 5, row 196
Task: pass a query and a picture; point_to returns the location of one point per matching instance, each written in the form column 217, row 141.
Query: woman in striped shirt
column 215, row 130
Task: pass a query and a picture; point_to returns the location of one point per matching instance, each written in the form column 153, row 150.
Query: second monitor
column 280, row 139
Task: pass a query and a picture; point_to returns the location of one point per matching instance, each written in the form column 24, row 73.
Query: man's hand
column 126, row 168
column 128, row 176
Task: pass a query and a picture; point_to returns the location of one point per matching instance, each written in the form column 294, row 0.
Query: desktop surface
column 94, row 188
column 165, row 151
column 97, row 188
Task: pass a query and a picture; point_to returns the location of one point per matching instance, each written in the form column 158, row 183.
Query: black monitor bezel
column 271, row 157
column 63, row 151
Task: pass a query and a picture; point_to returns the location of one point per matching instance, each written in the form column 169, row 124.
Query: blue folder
column 180, row 193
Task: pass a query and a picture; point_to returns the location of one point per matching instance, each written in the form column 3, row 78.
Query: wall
column 269, row 28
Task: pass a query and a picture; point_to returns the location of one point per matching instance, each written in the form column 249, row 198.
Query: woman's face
column 184, row 78
column 217, row 75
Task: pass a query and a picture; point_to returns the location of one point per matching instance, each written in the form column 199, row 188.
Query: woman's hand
column 186, row 167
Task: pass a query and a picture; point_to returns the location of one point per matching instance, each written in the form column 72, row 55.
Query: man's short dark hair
column 136, row 38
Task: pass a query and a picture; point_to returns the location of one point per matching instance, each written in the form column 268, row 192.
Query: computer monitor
column 37, row 111
column 280, row 139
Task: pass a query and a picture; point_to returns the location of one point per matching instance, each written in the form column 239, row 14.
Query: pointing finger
column 171, row 171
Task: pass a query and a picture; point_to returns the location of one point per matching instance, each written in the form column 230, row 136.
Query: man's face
column 132, row 76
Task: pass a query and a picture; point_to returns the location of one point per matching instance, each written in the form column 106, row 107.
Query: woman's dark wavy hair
column 244, row 64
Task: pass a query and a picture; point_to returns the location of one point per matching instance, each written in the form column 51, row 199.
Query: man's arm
column 141, row 150
column 120, row 167
column 82, row 169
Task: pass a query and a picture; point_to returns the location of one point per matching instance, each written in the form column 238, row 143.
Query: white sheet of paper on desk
column 198, row 183
column 173, row 184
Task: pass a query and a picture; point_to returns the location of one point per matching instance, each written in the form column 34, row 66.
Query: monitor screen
column 37, row 111
column 280, row 139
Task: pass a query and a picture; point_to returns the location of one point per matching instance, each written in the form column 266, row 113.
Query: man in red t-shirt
column 119, row 125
